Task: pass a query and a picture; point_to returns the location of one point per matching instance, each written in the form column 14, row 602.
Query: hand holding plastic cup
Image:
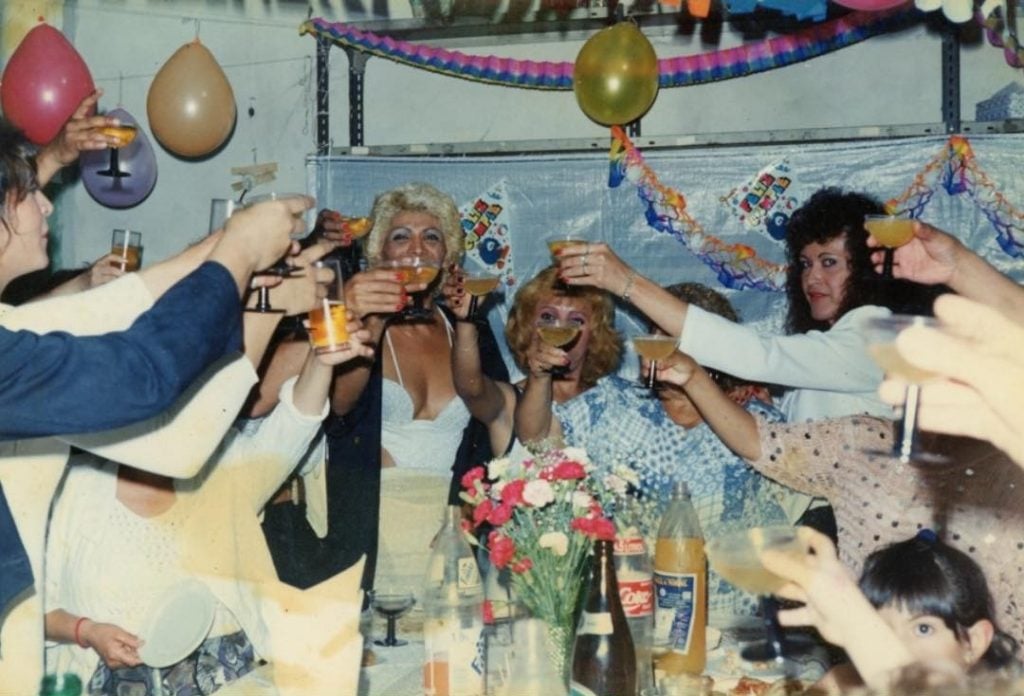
column 127, row 245
column 328, row 330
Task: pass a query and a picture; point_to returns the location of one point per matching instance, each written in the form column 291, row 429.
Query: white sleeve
column 280, row 442
column 112, row 306
column 833, row 360
column 178, row 442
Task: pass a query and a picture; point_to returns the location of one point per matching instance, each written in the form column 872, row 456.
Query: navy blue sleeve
column 57, row 383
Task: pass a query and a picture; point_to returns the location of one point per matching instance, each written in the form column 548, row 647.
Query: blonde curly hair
column 605, row 349
column 418, row 197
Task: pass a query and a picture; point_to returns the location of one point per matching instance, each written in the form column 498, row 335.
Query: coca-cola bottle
column 603, row 659
column 636, row 587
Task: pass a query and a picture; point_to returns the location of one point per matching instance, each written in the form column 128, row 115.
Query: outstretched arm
column 733, row 425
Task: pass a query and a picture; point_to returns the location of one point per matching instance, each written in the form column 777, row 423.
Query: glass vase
column 540, row 661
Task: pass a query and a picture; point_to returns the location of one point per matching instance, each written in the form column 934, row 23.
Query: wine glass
column 736, row 556
column 654, row 347
column 281, row 267
column 414, row 270
column 891, row 231
column 125, row 134
column 881, row 333
column 478, row 284
column 391, row 605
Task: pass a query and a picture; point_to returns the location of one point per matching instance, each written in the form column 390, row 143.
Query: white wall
column 890, row 80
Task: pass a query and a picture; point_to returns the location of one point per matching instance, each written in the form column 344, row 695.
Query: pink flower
column 522, row 566
column 595, row 527
column 481, row 512
column 502, row 549
column 500, row 514
column 512, row 493
column 470, row 478
column 488, row 612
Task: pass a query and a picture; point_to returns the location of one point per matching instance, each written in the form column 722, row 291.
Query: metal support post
column 356, row 82
column 951, row 79
column 323, row 96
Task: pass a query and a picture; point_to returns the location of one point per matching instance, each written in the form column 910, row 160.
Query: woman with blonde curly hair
column 399, row 436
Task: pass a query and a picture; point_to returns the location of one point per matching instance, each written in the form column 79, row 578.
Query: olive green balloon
column 191, row 105
column 615, row 76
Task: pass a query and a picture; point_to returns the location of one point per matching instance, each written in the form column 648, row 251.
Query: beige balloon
column 191, row 105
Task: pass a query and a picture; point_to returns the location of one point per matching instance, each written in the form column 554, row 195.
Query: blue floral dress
column 624, row 429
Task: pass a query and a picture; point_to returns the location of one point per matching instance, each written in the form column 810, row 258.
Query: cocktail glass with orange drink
column 123, row 134
column 654, row 347
column 415, row 270
column 478, row 285
column 891, row 231
column 558, row 334
column 127, row 245
column 881, row 333
column 328, row 323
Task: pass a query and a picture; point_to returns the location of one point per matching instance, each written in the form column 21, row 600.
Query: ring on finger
column 585, row 259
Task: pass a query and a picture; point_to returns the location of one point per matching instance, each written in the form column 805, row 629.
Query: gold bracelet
column 629, row 286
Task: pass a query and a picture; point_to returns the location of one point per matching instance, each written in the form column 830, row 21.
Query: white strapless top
column 426, row 445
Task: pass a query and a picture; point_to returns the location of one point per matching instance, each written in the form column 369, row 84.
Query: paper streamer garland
column 673, row 72
column 737, row 265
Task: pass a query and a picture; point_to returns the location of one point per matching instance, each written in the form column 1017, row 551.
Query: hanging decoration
column 43, row 83
column 955, row 168
column 679, row 71
column 737, row 266
column 488, row 243
column 763, row 202
column 191, row 105
column 615, row 76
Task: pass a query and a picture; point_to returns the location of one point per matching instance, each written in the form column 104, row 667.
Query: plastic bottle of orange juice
column 680, row 589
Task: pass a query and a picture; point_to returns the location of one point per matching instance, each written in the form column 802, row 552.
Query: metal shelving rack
column 475, row 32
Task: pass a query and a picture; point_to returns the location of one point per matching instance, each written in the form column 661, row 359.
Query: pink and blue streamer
column 680, row 71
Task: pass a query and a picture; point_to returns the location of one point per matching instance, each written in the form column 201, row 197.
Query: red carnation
column 470, row 478
column 502, row 549
column 500, row 514
column 488, row 612
column 512, row 492
column 522, row 566
column 481, row 511
column 568, row 471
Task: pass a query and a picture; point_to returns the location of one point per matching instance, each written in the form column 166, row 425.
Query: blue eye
column 923, row 630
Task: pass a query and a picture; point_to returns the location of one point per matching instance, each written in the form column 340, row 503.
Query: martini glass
column 892, row 232
column 391, row 605
column 654, row 347
column 125, row 134
column 414, row 270
column 281, row 268
column 558, row 334
column 478, row 285
column 736, row 557
column 881, row 333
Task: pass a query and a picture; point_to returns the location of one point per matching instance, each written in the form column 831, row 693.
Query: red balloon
column 44, row 82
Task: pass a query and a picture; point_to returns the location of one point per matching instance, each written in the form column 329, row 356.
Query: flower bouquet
column 546, row 511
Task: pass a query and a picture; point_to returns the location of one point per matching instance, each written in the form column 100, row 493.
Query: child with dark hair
column 937, row 600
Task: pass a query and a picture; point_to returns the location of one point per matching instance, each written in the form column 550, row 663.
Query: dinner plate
column 177, row 623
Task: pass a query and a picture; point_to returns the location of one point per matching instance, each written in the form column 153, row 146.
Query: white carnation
column 578, row 454
column 558, row 542
column 581, row 499
column 497, row 467
column 538, row 493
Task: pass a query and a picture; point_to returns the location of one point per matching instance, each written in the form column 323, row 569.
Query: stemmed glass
column 391, row 605
column 881, row 333
column 558, row 334
column 281, row 268
column 478, row 285
column 654, row 347
column 414, row 270
column 125, row 134
column 736, row 557
column 891, row 231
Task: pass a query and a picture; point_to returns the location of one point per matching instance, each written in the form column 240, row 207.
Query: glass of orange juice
column 127, row 244
column 328, row 323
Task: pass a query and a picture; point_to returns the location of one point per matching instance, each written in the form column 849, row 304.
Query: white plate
column 177, row 623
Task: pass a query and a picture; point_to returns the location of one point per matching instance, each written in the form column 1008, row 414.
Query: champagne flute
column 478, row 285
column 414, row 270
column 654, row 347
column 891, row 231
column 125, row 135
column 736, row 556
column 391, row 605
column 881, row 333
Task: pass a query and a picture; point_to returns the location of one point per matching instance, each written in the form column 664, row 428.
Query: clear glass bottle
column 453, row 615
column 680, row 588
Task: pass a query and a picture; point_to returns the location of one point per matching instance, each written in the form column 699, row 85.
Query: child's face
column 927, row 637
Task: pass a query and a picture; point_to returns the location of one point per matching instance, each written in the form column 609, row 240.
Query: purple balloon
column 124, row 177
